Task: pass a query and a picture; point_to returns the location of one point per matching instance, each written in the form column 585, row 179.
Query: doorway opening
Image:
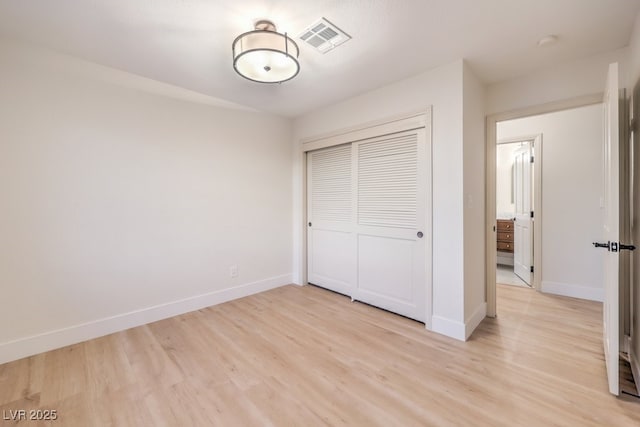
column 515, row 211
column 586, row 204
column 564, row 181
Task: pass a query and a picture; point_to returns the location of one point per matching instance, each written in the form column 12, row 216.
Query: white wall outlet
column 233, row 271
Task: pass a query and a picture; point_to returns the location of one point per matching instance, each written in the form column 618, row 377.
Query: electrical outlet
column 233, row 271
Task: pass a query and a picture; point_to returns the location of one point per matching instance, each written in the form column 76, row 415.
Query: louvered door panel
column 391, row 210
column 387, row 186
column 331, row 241
column 367, row 211
column 331, row 184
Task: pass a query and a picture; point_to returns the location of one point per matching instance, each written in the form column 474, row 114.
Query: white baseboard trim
column 458, row 330
column 24, row 347
column 575, row 291
column 635, row 367
column 504, row 260
column 448, row 327
column 472, row 322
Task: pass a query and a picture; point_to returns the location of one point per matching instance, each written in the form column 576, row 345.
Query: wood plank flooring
column 303, row 356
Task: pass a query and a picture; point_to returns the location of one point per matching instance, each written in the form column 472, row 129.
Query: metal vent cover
column 323, row 36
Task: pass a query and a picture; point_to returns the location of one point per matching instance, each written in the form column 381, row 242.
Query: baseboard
column 448, row 327
column 575, row 291
column 24, row 347
column 472, row 323
column 635, row 367
column 504, row 259
column 458, row 330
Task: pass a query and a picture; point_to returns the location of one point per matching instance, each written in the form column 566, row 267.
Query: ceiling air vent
column 324, row 36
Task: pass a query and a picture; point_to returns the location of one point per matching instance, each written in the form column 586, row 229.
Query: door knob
column 420, row 234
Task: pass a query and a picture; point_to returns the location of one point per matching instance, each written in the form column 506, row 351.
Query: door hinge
column 531, row 159
column 531, row 214
column 532, row 268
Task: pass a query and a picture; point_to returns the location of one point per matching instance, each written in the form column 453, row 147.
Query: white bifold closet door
column 367, row 206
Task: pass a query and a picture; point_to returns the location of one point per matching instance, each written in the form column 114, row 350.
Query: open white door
column 523, row 227
column 611, row 227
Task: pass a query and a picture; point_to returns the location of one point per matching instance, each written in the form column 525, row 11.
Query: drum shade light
column 264, row 55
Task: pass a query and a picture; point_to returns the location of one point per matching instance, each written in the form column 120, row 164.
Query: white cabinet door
column 367, row 210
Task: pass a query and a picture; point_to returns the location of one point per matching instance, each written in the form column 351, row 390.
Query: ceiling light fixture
column 264, row 55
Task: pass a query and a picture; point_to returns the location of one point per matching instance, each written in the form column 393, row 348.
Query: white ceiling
column 187, row 43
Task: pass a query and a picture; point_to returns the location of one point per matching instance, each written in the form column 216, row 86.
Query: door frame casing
column 411, row 120
column 490, row 185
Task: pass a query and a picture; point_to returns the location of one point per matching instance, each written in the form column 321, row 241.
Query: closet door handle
column 420, row 234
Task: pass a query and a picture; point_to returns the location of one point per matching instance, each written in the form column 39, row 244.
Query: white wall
column 441, row 88
column 116, row 200
column 567, row 80
column 475, row 307
column 571, row 191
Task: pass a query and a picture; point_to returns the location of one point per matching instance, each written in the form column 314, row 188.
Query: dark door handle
column 420, row 234
column 602, row 245
column 627, row 247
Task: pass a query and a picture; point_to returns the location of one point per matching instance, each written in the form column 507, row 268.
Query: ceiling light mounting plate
column 265, row 25
column 548, row 40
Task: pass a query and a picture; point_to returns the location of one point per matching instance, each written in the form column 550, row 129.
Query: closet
column 369, row 228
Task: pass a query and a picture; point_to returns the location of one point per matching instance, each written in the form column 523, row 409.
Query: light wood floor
column 304, row 356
